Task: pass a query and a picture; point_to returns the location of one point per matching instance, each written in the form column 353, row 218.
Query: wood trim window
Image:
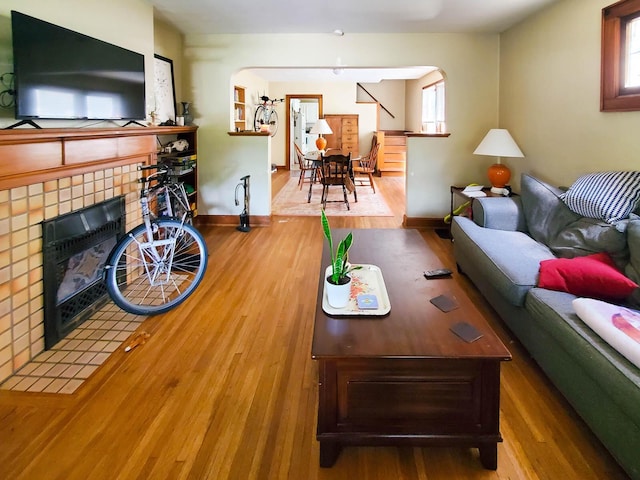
column 620, row 70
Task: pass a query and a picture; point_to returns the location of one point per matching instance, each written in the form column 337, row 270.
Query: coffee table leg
column 329, row 452
column 489, row 456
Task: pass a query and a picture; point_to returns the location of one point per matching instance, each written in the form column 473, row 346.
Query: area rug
column 291, row 201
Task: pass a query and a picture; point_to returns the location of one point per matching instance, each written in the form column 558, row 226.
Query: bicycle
column 266, row 115
column 159, row 263
column 171, row 195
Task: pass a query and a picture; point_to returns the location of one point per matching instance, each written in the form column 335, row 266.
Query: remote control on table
column 438, row 273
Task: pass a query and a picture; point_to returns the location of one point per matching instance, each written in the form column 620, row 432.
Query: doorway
column 303, row 110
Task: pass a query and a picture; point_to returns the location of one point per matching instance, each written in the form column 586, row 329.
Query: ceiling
column 335, row 17
column 350, row 16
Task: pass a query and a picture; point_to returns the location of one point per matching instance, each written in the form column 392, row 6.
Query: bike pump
column 244, row 216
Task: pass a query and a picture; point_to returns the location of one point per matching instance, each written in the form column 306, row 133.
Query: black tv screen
column 62, row 74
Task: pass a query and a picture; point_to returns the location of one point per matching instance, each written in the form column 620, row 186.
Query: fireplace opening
column 75, row 247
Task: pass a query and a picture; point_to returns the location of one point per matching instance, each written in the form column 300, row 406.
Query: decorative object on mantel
column 337, row 284
column 498, row 143
column 186, row 113
column 164, row 90
column 322, row 128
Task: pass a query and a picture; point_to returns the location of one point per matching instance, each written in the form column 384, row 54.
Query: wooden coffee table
column 405, row 378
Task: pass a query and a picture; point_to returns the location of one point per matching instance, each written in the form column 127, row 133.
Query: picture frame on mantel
column 164, row 89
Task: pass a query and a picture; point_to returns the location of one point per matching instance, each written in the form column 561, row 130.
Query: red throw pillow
column 594, row 276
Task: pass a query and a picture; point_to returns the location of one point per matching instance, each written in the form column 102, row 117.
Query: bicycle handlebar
column 161, row 175
column 149, row 167
column 266, row 99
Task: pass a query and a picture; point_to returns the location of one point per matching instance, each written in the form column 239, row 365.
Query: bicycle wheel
column 180, row 203
column 259, row 118
column 147, row 279
column 273, row 122
column 266, row 116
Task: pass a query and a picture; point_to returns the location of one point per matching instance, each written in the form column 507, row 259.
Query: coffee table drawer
column 409, row 395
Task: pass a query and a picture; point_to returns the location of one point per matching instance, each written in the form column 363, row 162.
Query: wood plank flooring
column 225, row 387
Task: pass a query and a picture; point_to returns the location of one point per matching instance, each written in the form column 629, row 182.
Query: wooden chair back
column 336, row 169
column 369, row 162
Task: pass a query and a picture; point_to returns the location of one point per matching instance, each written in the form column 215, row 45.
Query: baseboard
column 265, row 221
column 423, row 222
column 232, row 220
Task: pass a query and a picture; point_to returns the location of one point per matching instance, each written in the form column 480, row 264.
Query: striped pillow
column 608, row 196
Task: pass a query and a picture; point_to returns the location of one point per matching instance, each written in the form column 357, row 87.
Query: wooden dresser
column 345, row 133
column 392, row 155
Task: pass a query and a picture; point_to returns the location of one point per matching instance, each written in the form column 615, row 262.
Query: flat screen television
column 62, row 74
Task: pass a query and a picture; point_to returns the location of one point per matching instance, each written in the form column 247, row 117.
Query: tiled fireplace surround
column 22, row 210
column 43, row 174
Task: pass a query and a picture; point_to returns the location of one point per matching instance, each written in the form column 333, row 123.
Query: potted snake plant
column 338, row 281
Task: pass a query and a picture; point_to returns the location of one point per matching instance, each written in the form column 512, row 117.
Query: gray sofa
column 500, row 250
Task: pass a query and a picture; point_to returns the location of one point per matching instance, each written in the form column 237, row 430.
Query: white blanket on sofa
column 618, row 326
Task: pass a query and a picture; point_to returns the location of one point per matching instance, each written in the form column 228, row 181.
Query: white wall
column 550, row 94
column 126, row 23
column 470, row 62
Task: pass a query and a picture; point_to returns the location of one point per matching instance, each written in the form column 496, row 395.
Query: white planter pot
column 337, row 295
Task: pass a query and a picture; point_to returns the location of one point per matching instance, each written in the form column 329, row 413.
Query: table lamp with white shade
column 322, row 128
column 498, row 143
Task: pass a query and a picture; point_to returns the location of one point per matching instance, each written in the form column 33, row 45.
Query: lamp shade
column 321, row 127
column 498, row 143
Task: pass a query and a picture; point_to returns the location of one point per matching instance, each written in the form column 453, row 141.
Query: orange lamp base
column 321, row 143
column 499, row 175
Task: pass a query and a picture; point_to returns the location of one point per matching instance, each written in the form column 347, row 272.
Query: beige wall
column 168, row 42
column 126, row 23
column 392, row 95
column 550, row 93
column 470, row 62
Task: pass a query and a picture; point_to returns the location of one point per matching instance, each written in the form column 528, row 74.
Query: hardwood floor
column 225, row 388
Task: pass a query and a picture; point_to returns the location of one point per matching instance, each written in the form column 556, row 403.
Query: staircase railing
column 375, row 100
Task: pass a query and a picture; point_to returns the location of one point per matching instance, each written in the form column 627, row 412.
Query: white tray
column 367, row 279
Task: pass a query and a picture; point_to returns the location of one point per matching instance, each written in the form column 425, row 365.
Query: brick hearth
column 21, row 211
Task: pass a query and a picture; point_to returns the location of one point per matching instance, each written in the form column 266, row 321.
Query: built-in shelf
column 239, row 108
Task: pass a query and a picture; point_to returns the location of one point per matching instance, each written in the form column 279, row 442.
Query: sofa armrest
column 499, row 213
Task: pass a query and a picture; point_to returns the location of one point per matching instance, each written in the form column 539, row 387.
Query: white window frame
column 433, row 108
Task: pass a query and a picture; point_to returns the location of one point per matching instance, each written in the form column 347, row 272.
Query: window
column 620, row 72
column 433, row 117
column 632, row 72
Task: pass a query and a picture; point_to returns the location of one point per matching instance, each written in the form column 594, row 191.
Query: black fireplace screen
column 75, row 247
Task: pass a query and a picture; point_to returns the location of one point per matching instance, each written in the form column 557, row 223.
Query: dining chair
column 365, row 167
column 337, row 171
column 305, row 166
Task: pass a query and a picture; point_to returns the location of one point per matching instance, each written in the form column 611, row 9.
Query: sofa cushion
column 618, row 326
column 609, row 196
column 594, row 276
column 545, row 213
column 587, row 236
column 510, row 260
column 554, row 313
column 633, row 237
